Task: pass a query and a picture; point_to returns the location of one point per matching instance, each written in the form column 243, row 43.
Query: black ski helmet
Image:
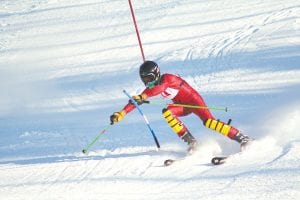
column 150, row 73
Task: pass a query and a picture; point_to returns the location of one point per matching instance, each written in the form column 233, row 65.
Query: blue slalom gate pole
column 145, row 118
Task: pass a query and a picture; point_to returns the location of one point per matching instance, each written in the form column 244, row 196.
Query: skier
column 180, row 92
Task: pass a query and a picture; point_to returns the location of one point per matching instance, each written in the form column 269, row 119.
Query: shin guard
column 174, row 123
column 221, row 127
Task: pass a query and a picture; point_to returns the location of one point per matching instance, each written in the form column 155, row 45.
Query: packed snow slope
column 64, row 65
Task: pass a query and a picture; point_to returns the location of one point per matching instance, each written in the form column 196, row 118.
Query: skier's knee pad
column 173, row 122
column 218, row 126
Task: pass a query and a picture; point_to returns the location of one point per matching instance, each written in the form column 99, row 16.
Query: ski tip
column 218, row 160
column 169, row 162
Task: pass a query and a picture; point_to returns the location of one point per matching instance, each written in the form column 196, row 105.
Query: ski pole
column 145, row 118
column 85, row 150
column 187, row 106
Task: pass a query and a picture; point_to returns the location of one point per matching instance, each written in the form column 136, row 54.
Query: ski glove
column 117, row 116
column 138, row 99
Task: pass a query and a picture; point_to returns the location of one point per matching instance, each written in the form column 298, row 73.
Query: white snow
column 64, row 64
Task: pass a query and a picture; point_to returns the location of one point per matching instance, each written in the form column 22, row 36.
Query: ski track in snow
column 64, row 64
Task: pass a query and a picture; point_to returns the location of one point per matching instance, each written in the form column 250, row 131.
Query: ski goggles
column 149, row 81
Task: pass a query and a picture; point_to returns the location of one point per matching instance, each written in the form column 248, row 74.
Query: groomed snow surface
column 64, row 65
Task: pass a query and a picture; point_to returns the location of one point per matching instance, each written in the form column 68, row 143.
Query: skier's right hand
column 117, row 116
column 139, row 99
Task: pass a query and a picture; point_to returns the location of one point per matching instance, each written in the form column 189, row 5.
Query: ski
column 218, row 160
column 169, row 162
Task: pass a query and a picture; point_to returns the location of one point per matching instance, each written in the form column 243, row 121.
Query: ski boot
column 191, row 141
column 244, row 140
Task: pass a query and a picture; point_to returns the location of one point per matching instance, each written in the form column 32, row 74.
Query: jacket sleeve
column 128, row 108
column 149, row 93
column 157, row 89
